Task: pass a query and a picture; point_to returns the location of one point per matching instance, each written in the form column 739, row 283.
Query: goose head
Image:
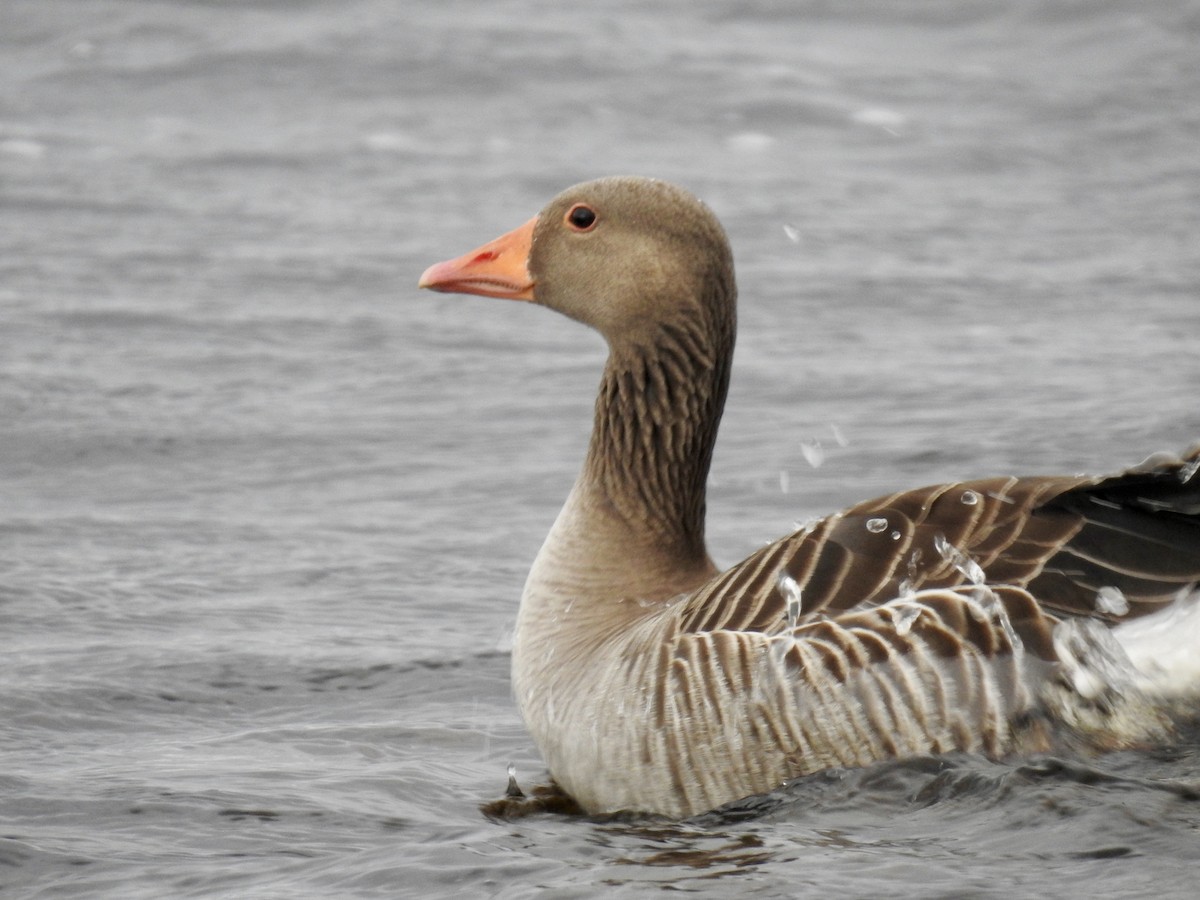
column 626, row 256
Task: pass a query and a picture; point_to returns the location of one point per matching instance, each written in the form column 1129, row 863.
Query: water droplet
column 838, row 437
column 896, row 535
column 792, row 232
column 813, row 453
column 970, row 498
column 875, row 526
column 1111, row 600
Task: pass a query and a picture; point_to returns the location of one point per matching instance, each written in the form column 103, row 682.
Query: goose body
column 952, row 617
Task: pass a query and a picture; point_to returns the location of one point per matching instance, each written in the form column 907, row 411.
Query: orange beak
column 499, row 268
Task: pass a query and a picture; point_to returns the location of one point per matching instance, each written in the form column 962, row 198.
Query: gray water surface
column 266, row 510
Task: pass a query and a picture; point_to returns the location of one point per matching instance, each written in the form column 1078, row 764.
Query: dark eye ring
column 581, row 217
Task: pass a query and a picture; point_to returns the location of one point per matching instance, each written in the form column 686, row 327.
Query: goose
column 957, row 617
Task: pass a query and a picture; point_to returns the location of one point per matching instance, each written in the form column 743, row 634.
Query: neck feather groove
column 657, row 413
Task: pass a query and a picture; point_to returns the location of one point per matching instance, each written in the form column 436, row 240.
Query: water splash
column 1188, row 470
column 808, row 526
column 1093, row 661
column 504, row 641
column 1162, row 647
column 513, row 791
column 904, row 616
column 790, row 589
column 782, row 644
column 966, row 566
column 1111, row 600
column 992, row 606
column 908, row 585
column 983, row 602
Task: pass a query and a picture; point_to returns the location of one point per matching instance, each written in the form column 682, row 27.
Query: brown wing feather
column 1060, row 538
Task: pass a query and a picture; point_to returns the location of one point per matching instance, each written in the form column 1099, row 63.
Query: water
column 266, row 510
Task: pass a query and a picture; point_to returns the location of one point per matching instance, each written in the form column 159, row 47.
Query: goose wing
column 1060, row 539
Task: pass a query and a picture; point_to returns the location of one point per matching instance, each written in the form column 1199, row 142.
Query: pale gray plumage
column 652, row 682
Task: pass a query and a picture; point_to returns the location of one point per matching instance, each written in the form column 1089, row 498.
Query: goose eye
column 581, row 217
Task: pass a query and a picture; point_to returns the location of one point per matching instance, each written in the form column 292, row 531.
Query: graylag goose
column 958, row 617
